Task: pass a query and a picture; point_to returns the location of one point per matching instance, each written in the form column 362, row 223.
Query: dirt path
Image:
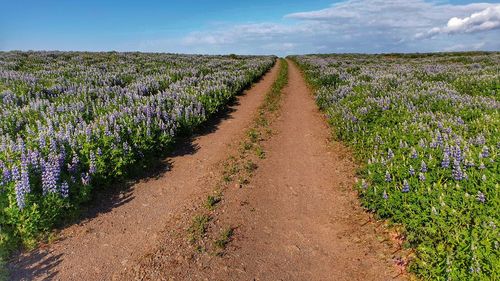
column 301, row 219
column 126, row 226
column 298, row 219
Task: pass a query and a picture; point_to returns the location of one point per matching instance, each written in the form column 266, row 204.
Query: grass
column 212, row 201
column 198, row 227
column 224, row 239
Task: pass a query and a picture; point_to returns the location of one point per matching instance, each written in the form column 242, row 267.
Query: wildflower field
column 70, row 121
column 426, row 130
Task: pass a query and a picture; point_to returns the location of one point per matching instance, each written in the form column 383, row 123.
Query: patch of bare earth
column 124, row 226
column 298, row 218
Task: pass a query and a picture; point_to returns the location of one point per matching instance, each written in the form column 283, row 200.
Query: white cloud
column 487, row 19
column 358, row 26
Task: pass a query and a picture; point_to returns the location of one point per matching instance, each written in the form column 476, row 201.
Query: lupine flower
column 446, row 161
column 22, row 184
column 457, row 153
column 423, row 167
column 385, row 196
column 414, row 154
column 406, row 186
column 480, row 197
column 85, row 179
column 411, row 171
column 64, row 189
column 421, row 176
column 388, row 177
column 486, row 152
column 390, row 154
column 457, row 171
column 92, row 165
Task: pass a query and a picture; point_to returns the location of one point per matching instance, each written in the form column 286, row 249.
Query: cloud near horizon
column 487, row 19
column 368, row 26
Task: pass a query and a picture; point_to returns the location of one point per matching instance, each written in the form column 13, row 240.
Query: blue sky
column 251, row 27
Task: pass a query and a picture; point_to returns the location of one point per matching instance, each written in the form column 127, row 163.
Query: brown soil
column 298, row 218
column 123, row 227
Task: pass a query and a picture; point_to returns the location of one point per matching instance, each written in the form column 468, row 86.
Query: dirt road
column 303, row 220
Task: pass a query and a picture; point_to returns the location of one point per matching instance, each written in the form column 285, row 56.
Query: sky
column 251, row 27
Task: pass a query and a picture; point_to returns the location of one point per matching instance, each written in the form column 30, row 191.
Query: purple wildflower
column 388, row 177
column 414, row 154
column 486, row 152
column 85, row 178
column 64, row 189
column 421, row 177
column 406, row 186
column 423, row 167
column 481, row 197
column 457, row 171
column 92, row 165
column 22, row 184
column 446, row 161
column 390, row 154
column 385, row 196
column 457, row 153
column 411, row 171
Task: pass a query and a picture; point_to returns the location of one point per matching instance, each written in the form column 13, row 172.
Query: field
column 426, row 130
column 71, row 121
column 250, row 184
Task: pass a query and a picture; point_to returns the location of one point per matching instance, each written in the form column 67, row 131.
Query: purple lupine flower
column 423, row 167
column 401, row 144
column 385, row 196
column 388, row 177
column 73, row 166
column 457, row 171
column 64, row 189
column 457, row 153
column 411, row 171
column 50, row 174
column 15, row 173
column 421, row 176
column 421, row 143
column 485, row 153
column 447, row 149
column 406, row 186
column 22, row 184
column 446, row 161
column 481, row 166
column 6, row 174
column 439, row 139
column 85, row 178
column 481, row 197
column 92, row 165
column 21, row 147
column 414, row 154
column 390, row 154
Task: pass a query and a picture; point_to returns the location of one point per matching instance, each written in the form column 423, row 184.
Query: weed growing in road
column 198, row 227
column 224, row 239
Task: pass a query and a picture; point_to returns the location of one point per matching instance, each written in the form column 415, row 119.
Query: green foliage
column 426, row 128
